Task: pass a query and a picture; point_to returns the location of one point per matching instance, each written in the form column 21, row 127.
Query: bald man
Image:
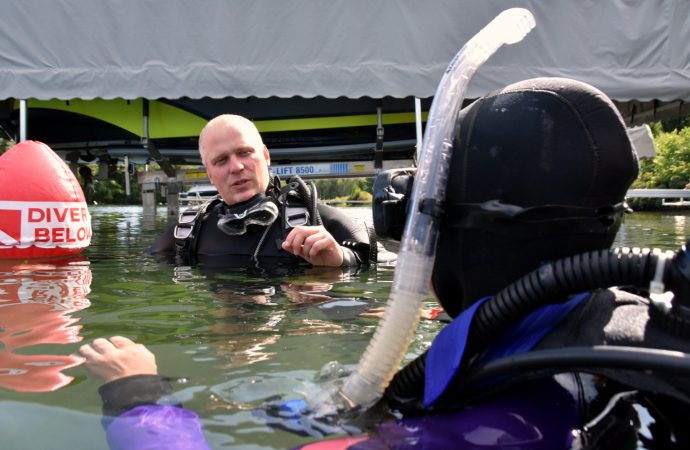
column 255, row 218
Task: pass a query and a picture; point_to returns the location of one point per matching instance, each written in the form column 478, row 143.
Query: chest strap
column 188, row 226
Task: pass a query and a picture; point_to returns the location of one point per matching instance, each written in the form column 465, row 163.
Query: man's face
column 236, row 161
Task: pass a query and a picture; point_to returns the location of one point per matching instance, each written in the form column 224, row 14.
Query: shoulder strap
column 187, row 230
column 294, row 210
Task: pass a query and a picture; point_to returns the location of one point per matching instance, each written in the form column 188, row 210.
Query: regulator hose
column 377, row 366
column 310, row 198
column 582, row 359
column 386, row 349
column 556, row 281
column 552, row 282
column 314, row 205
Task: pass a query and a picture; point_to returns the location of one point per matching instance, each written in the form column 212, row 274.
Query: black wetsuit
column 254, row 246
column 615, row 404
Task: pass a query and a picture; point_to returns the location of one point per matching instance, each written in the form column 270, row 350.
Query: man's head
column 551, row 150
column 235, row 158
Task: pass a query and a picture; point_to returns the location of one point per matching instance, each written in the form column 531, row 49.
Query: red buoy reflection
column 37, row 300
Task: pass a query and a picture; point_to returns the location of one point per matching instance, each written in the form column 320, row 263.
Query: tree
column 345, row 188
column 5, row 144
column 670, row 168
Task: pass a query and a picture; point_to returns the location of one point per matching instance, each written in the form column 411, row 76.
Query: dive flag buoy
column 43, row 212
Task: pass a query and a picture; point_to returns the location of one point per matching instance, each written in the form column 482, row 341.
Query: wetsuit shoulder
column 165, row 243
column 342, row 226
column 350, row 234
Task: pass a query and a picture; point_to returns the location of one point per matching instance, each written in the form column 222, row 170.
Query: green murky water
column 230, row 338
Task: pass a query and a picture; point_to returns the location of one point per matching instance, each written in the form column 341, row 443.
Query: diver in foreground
column 555, row 342
column 254, row 217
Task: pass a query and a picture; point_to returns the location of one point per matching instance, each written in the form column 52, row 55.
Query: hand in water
column 118, row 357
column 315, row 244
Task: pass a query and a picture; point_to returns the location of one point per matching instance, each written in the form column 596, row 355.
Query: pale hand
column 315, row 245
column 118, row 357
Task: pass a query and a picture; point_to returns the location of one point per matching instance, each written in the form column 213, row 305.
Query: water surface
column 230, row 338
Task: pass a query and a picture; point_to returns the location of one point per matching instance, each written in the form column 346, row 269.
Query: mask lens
column 264, row 214
column 261, row 217
column 232, row 226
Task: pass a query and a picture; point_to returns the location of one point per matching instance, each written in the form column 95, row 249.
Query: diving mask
column 259, row 210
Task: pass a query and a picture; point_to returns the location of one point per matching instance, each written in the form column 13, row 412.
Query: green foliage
column 107, row 191
column 112, row 190
column 345, row 188
column 670, row 168
column 677, row 123
column 359, row 195
column 5, row 144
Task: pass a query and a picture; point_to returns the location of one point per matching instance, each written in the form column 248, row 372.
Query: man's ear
column 267, row 156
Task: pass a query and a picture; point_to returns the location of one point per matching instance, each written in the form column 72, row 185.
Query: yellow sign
column 195, row 175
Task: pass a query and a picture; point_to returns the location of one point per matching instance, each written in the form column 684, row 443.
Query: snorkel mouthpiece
column 418, row 246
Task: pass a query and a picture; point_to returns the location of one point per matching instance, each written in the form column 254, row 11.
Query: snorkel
column 377, row 366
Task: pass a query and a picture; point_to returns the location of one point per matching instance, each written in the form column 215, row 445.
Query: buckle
column 187, row 216
column 296, row 216
column 182, row 232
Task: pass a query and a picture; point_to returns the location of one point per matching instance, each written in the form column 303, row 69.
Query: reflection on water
column 37, row 300
column 232, row 337
column 666, row 231
column 239, row 330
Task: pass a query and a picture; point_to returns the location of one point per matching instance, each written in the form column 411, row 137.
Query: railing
column 347, row 202
column 658, row 193
column 681, row 194
column 632, row 193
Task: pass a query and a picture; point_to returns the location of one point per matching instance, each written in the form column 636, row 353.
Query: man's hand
column 315, row 244
column 118, row 357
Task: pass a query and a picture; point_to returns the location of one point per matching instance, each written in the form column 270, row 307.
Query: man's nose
column 235, row 164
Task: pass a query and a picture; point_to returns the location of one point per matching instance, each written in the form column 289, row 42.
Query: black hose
column 314, row 199
column 373, row 246
column 553, row 282
column 584, row 359
column 310, row 198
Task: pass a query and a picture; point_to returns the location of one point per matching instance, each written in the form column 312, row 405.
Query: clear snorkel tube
column 418, row 246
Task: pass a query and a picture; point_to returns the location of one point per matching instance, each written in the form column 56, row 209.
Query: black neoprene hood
column 544, row 141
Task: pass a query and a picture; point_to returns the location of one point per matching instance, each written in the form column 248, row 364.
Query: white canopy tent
column 199, row 49
column 240, row 48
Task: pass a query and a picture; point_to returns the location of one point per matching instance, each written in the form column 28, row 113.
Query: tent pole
column 418, row 121
column 151, row 147
column 378, row 150
column 22, row 120
column 127, row 188
column 145, row 115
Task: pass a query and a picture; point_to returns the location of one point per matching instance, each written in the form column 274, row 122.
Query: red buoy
column 43, row 212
